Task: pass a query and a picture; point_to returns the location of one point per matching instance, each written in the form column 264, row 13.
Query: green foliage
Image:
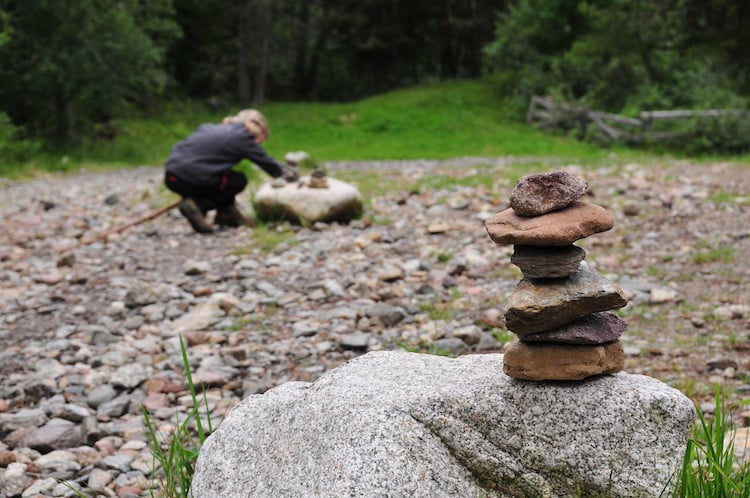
column 474, row 178
column 425, row 347
column 502, row 336
column 174, row 453
column 438, row 310
column 73, row 69
column 720, row 254
column 14, row 149
column 625, row 57
column 444, row 256
column 530, row 38
column 70, row 65
column 5, row 29
column 726, row 135
column 729, row 198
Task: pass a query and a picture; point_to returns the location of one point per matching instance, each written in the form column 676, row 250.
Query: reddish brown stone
column 173, row 387
column 155, row 400
column 535, row 195
column 558, row 228
column 128, row 491
column 193, row 338
column 154, row 385
column 6, row 458
column 539, row 362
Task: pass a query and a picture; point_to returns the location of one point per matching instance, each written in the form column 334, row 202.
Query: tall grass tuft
column 710, row 468
column 175, row 454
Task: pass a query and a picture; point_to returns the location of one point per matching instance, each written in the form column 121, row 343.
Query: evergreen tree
column 71, row 63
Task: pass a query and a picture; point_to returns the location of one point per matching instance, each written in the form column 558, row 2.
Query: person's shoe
column 230, row 216
column 190, row 210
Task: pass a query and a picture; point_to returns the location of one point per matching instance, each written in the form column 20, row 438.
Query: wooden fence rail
column 548, row 114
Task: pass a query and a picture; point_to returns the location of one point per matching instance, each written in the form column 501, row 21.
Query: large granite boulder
column 406, row 424
column 300, row 202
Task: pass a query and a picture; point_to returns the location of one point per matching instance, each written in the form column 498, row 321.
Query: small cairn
column 561, row 309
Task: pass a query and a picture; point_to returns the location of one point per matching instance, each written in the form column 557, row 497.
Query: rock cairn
column 561, row 309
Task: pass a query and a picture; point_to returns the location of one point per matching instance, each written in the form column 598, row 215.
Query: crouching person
column 199, row 168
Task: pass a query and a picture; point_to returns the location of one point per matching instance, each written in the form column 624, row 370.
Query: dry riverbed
column 90, row 335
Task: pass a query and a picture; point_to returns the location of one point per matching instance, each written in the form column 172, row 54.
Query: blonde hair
column 254, row 122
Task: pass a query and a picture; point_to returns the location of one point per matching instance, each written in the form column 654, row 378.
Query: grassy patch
column 655, row 271
column 376, row 184
column 503, row 336
column 721, row 254
column 426, row 347
column 468, row 177
column 438, row 310
column 710, row 468
column 729, row 198
column 266, row 238
column 443, row 256
column 438, row 121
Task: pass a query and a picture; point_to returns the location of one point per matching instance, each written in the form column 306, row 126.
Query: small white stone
column 116, row 308
column 661, row 295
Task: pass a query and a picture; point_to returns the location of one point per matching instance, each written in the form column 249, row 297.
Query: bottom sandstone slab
column 549, row 361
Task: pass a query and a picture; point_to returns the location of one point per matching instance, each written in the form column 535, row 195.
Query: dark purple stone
column 596, row 328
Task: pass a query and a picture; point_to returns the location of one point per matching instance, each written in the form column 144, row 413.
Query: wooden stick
column 122, row 228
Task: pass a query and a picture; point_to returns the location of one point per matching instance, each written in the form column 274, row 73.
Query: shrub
column 14, row 149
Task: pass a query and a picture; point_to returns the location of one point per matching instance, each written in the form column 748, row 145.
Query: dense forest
column 68, row 68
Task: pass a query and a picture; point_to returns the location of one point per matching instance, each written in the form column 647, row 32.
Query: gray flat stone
column 542, row 305
column 547, row 261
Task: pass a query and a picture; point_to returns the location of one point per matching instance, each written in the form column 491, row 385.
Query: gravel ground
column 89, row 335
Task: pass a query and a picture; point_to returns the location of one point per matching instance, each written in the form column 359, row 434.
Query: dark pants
column 209, row 197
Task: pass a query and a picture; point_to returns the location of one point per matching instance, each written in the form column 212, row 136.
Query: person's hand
column 290, row 174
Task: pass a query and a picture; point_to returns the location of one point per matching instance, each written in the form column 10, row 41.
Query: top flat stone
column 535, row 195
column 558, row 228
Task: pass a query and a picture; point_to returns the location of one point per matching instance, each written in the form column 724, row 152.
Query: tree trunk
column 65, row 117
column 269, row 17
column 447, row 54
column 301, row 82
column 243, row 52
column 474, row 44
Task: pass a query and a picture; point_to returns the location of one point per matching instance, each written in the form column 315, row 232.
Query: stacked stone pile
column 561, row 310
